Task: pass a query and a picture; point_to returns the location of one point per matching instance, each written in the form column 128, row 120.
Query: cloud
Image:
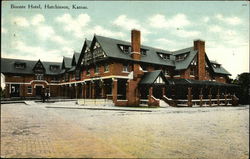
column 46, row 32
column 102, row 31
column 186, row 34
column 20, row 21
column 215, row 28
column 30, row 52
column 37, row 19
column 177, row 21
column 3, row 30
column 128, row 24
column 75, row 25
column 228, row 20
column 206, row 19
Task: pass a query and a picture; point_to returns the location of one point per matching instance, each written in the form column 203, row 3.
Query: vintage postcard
column 125, row 79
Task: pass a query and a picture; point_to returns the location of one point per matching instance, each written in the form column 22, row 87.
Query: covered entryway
column 15, row 90
column 38, row 90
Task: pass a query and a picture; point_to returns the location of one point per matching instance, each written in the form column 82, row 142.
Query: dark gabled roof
column 220, row 70
column 8, row 66
column 86, row 45
column 73, row 68
column 110, row 47
column 76, row 56
column 88, row 42
column 66, row 62
column 150, row 77
column 183, row 64
column 183, row 51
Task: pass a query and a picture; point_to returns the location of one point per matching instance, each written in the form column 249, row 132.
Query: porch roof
column 191, row 82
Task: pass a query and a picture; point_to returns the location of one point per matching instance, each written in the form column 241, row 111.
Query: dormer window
column 181, row 57
column 20, row 65
column 144, row 52
column 163, row 55
column 194, row 62
column 125, row 68
column 54, row 67
column 125, row 48
column 216, row 65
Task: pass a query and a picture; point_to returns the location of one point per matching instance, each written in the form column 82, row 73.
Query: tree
column 243, row 80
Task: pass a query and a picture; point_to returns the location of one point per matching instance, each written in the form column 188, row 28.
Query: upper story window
column 125, row 68
column 66, row 77
column 97, row 45
column 144, row 52
column 20, row 65
column 78, row 74
column 96, row 69
column 87, row 71
column 181, row 57
column 165, row 72
column 39, row 76
column 106, row 67
column 192, row 71
column 164, row 56
column 54, row 67
column 194, row 62
column 216, row 65
column 125, row 48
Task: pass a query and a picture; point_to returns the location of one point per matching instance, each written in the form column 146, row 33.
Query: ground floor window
column 29, row 90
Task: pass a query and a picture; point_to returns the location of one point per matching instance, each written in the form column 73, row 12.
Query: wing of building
column 126, row 72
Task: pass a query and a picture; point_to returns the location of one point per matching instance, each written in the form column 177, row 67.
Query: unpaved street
column 36, row 131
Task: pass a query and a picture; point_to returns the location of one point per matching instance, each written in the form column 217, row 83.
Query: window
column 96, row 69
column 144, row 52
column 87, row 72
column 55, row 78
column 20, row 65
column 181, row 57
column 66, row 77
column 54, row 67
column 39, row 77
column 106, row 68
column 125, row 48
column 78, row 74
column 29, row 90
column 159, row 80
column 216, row 65
column 97, row 45
column 192, row 71
column 164, row 56
column 125, row 68
column 165, row 72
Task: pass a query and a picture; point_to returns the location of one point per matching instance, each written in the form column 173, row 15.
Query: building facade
column 126, row 72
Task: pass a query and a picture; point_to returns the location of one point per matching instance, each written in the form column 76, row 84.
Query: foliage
column 243, row 80
column 2, row 92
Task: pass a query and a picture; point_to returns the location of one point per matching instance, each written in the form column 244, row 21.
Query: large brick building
column 126, row 72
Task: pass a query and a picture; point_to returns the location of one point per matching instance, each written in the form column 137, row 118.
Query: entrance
column 15, row 90
column 38, row 90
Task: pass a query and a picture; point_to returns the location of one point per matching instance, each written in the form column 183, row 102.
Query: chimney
column 136, row 52
column 199, row 45
column 136, row 44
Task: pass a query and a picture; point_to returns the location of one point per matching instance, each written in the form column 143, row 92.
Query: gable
column 39, row 68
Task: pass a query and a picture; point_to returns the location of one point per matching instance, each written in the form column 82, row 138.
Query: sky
column 50, row 34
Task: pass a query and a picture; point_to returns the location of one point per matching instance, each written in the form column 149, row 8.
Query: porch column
column 93, row 90
column 90, row 90
column 76, row 90
column 114, row 90
column 103, row 89
column 86, row 88
column 83, row 90
column 218, row 97
column 163, row 91
column 201, row 97
column 150, row 94
column 210, row 97
column 189, row 97
column 225, row 97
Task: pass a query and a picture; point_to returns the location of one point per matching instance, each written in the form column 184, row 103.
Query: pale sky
column 50, row 34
